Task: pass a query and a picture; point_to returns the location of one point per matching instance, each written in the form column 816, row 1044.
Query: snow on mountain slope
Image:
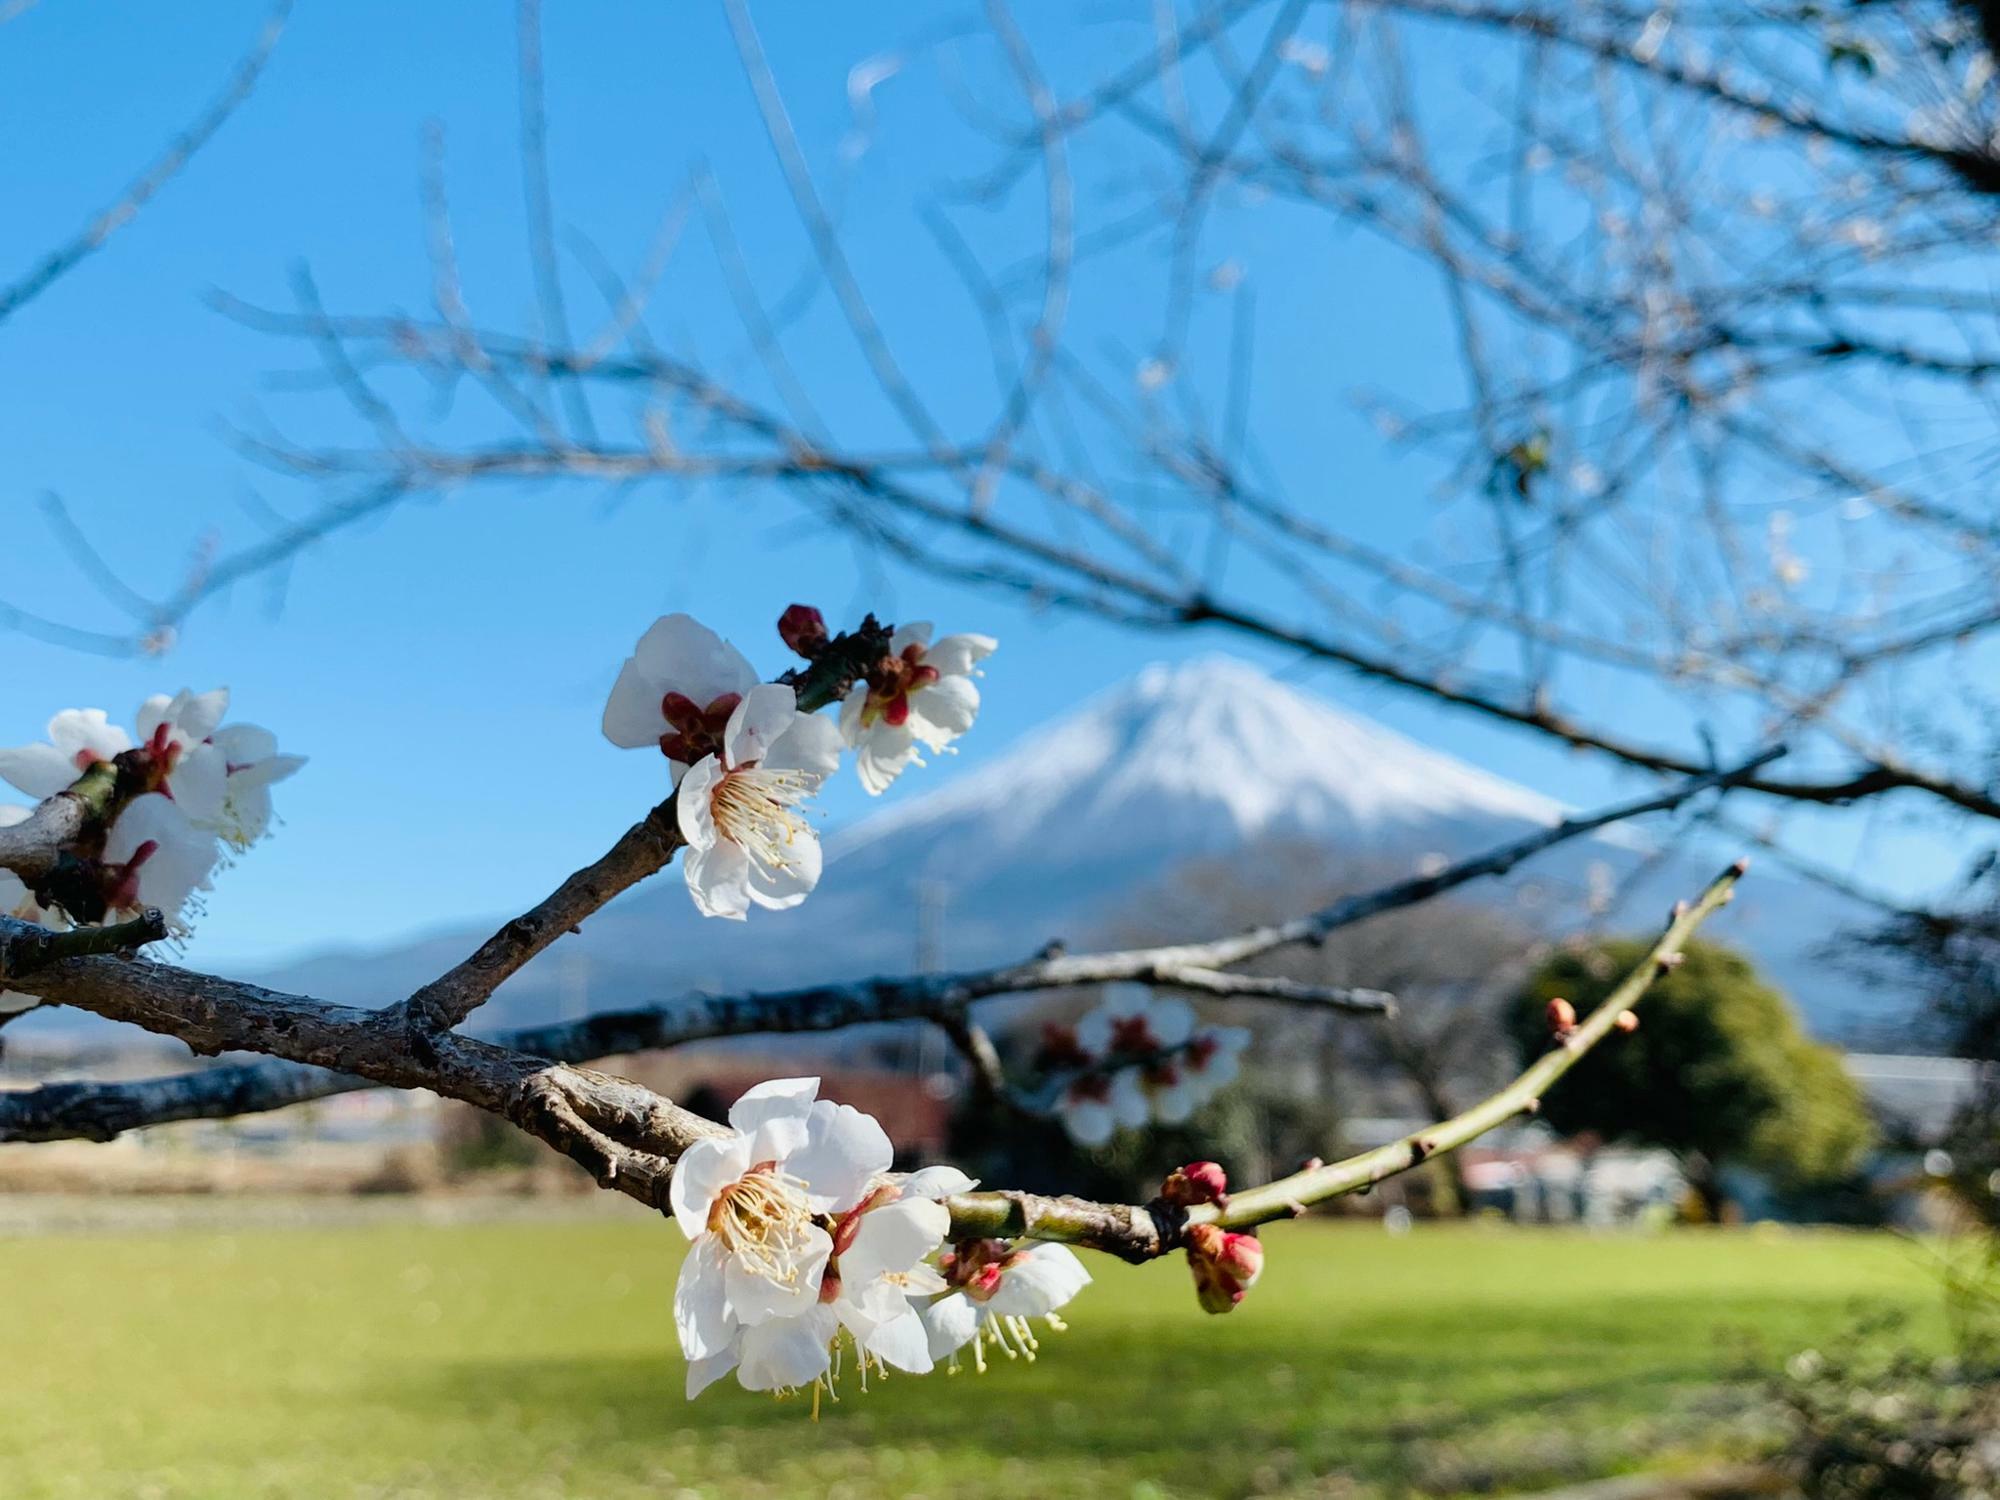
column 1054, row 835
column 1219, row 753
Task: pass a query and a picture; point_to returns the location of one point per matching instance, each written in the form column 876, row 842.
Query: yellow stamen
column 752, row 808
column 764, row 1222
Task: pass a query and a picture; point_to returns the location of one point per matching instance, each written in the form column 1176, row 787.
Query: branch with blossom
column 99, row 1111
column 806, row 1248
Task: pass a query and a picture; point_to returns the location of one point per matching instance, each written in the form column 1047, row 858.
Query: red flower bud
column 1225, row 1265
column 1562, row 1017
column 1197, row 1182
column 803, row 628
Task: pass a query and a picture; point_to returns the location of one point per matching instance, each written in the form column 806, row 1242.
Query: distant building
column 1531, row 1175
column 1913, row 1096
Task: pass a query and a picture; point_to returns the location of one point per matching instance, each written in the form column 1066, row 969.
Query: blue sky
column 445, row 665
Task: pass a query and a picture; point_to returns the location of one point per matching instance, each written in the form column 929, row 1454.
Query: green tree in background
column 1719, row 1073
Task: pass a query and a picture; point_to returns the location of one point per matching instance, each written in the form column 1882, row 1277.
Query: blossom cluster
column 744, row 757
column 1134, row 1060
column 804, row 1248
column 203, row 789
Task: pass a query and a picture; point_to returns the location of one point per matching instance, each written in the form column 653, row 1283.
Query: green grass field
column 538, row 1360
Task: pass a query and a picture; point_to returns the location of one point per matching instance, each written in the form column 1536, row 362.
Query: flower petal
column 943, row 711
column 812, row 744
column 903, row 1342
column 182, row 859
column 684, row 656
column 718, row 878
column 245, row 744
column 702, row 1319
column 1129, row 1108
column 778, row 1098
column 1172, row 1105
column 703, row 1373
column 199, row 715
column 893, row 1239
column 786, row 1353
column 632, row 716
column 950, row 1323
column 1171, row 1020
column 1088, row 1124
column 956, row 655
column 754, row 1297
column 850, row 713
column 766, row 712
column 694, row 807
column 705, row 1169
column 883, row 754
column 916, row 633
column 1046, row 1277
column 778, row 887
column 38, row 770
column 78, row 729
column 937, row 1182
column 845, row 1151
column 155, row 711
column 198, row 784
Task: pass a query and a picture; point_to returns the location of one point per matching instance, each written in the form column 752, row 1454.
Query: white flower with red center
column 738, row 806
column 154, row 855
column 877, row 1281
column 1137, row 1059
column 172, row 734
column 997, row 1288
column 753, row 1205
column 919, row 694
column 175, row 734
column 677, row 692
column 1096, row 1105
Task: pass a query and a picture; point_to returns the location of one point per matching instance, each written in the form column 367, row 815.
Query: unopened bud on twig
column 1562, row 1018
column 1197, row 1182
column 1628, row 1021
column 803, row 628
column 1225, row 1265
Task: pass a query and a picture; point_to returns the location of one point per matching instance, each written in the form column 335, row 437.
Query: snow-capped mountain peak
column 1216, row 744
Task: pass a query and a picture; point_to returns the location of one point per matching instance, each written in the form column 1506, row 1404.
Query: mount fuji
column 1057, row 834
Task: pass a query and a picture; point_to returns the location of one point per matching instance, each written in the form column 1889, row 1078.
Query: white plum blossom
column 738, row 806
column 750, row 1204
column 1134, row 1060
column 202, row 781
column 998, row 1288
column 220, row 775
column 676, row 692
column 879, row 1279
column 154, row 855
column 919, row 695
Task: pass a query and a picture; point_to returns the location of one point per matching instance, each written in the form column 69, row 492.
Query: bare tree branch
column 98, row 1111
column 91, row 238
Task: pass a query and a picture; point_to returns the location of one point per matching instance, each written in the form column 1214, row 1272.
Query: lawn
column 537, row 1359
